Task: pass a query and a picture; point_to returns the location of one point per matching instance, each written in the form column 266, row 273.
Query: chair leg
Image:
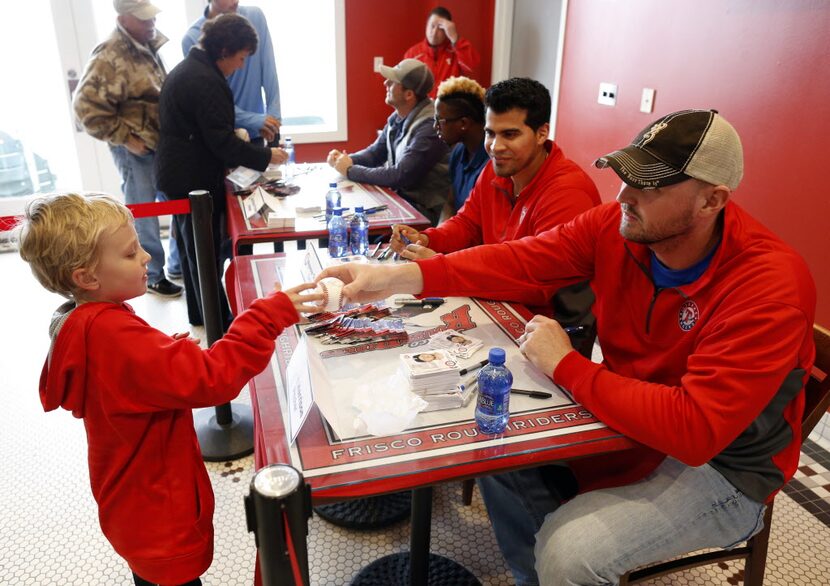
column 756, row 563
column 467, row 487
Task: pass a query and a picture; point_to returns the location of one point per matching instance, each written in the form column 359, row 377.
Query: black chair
column 754, row 553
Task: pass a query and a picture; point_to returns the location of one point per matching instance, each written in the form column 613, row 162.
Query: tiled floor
column 49, row 532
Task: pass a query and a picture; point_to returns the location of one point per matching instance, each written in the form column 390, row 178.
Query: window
column 310, row 50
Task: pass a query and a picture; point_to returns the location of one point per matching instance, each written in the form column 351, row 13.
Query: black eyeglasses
column 441, row 121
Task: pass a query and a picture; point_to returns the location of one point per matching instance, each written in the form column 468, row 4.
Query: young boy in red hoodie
column 155, row 502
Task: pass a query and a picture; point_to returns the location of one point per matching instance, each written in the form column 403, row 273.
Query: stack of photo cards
column 458, row 345
column 430, row 371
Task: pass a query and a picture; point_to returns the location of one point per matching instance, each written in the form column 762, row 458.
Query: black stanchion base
column 393, row 570
column 225, row 442
column 368, row 513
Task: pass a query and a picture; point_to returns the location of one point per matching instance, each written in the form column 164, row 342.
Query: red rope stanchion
column 139, row 210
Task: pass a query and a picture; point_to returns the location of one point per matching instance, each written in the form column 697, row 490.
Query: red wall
column 388, row 28
column 762, row 63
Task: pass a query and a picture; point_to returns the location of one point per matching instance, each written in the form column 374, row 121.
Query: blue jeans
column 598, row 536
column 138, row 186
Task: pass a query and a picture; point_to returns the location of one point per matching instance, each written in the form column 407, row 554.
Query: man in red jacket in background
column 706, row 323
column 445, row 52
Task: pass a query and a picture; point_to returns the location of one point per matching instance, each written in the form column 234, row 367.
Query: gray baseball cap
column 411, row 74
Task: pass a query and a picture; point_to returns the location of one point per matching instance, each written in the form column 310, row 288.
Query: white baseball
column 332, row 291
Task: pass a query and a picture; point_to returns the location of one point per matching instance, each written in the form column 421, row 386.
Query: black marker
column 475, row 366
column 575, row 329
column 532, row 394
column 425, row 302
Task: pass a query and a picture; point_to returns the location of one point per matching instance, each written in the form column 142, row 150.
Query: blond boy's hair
column 60, row 234
column 460, row 85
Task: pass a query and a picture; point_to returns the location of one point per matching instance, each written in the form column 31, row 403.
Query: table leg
column 417, row 567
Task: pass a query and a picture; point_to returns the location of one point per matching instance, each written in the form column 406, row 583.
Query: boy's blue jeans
column 598, row 536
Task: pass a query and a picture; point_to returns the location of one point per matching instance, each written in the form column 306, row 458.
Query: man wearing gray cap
column 117, row 101
column 706, row 323
column 408, row 156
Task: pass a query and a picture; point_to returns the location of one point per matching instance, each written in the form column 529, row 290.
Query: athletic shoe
column 165, row 288
column 176, row 276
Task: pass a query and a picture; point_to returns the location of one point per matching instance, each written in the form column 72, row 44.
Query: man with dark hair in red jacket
column 706, row 324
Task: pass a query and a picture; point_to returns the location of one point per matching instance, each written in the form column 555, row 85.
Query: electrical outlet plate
column 607, row 94
column 647, row 101
column 378, row 63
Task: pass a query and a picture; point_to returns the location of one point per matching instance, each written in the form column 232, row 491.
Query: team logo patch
column 688, row 316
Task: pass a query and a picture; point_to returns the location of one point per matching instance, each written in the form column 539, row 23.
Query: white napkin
column 387, row 408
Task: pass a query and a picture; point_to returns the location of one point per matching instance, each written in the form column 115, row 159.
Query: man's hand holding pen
column 545, row 343
column 409, row 243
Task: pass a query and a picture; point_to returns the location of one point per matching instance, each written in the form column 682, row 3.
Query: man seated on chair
column 407, row 156
column 706, row 323
column 528, row 187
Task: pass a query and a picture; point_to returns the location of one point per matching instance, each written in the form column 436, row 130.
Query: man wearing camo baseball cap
column 706, row 322
column 141, row 9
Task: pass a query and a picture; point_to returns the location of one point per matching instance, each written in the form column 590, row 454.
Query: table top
column 366, row 465
column 313, row 181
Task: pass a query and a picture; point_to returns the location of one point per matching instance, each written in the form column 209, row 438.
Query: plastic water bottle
column 494, row 382
column 338, row 234
column 332, row 199
column 359, row 232
column 289, row 164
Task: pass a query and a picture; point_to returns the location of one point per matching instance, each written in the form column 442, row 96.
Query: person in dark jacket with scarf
column 197, row 142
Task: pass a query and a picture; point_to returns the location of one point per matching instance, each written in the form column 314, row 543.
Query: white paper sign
column 253, row 203
column 298, row 389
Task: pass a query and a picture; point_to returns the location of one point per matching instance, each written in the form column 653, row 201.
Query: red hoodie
column 134, row 387
column 445, row 60
column 712, row 371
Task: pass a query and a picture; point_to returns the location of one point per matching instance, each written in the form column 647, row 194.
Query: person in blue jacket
column 260, row 118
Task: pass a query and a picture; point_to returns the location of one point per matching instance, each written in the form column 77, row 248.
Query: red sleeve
column 519, row 269
column 467, row 55
column 142, row 369
column 738, row 365
column 462, row 230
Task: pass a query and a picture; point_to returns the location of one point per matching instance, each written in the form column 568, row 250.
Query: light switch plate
column 647, row 101
column 378, row 63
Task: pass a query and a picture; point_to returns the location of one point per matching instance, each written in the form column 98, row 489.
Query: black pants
column 139, row 581
column 193, row 296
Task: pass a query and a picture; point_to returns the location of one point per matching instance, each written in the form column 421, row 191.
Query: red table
column 417, row 458
column 313, row 186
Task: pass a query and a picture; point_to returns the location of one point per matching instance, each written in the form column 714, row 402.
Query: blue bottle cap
column 358, row 209
column 496, row 356
column 333, row 185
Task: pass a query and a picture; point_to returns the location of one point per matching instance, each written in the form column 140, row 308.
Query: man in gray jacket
column 117, row 101
column 408, row 156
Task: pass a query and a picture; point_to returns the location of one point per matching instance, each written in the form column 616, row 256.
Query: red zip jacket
column 445, row 60
column 711, row 372
column 134, row 387
column 558, row 193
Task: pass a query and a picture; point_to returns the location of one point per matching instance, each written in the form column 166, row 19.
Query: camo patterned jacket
column 118, row 94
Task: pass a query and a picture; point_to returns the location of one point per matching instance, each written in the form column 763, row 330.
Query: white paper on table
column 243, row 176
column 336, row 379
column 298, row 389
column 387, row 407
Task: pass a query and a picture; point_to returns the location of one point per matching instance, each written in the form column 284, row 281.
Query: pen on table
column 574, row 329
column 468, row 384
column 475, row 366
column 532, row 394
column 425, row 302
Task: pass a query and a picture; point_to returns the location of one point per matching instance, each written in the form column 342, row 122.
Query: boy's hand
column 303, row 303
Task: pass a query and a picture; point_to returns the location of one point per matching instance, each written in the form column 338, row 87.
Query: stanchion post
column 227, row 431
column 277, row 510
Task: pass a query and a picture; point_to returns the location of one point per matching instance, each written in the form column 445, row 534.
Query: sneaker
column 175, row 275
column 165, row 288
